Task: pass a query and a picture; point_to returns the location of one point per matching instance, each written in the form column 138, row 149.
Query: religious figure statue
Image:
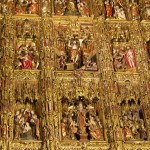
column 4, row 8
column 83, row 8
column 4, row 128
column 25, row 60
column 27, row 56
column 124, row 58
column 134, row 10
column 33, row 8
column 74, row 48
column 81, row 119
column 146, row 6
column 118, row 132
column 26, row 28
column 62, row 62
column 98, row 8
column 130, row 58
column 118, row 56
column 60, row 6
column 26, row 125
column 45, row 7
column 71, row 8
column 20, row 6
column 109, row 8
column 73, row 128
column 17, row 127
column 26, row 7
column 119, row 12
column 75, row 52
column 115, row 9
column 95, row 128
column 10, row 5
column 80, row 122
column 133, row 122
column 64, row 126
column 36, row 123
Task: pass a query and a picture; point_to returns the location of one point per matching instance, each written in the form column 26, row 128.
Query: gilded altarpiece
column 74, row 75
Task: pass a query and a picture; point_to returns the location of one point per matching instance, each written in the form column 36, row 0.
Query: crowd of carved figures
column 72, row 7
column 75, row 51
column 74, row 74
column 27, row 55
column 80, row 120
column 26, row 125
column 116, row 9
column 124, row 58
column 133, row 120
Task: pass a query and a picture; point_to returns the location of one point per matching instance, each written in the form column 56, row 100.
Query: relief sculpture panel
column 124, row 58
column 75, row 50
column 80, row 121
column 26, row 55
column 133, row 120
column 26, row 7
column 72, row 8
column 26, row 125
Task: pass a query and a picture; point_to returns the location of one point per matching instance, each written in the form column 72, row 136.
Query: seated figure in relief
column 95, row 128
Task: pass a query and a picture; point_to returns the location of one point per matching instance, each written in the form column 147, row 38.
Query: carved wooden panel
column 74, row 74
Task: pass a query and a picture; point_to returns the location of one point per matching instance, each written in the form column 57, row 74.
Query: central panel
column 74, row 46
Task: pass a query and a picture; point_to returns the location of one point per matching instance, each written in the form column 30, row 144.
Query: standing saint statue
column 81, row 119
column 130, row 58
column 134, row 10
column 71, row 8
column 109, row 8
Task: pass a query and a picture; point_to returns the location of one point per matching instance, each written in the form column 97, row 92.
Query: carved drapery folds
column 72, row 8
column 124, row 58
column 80, row 120
column 26, row 55
column 109, row 9
column 133, row 120
column 75, row 48
column 27, row 52
column 26, row 7
column 74, row 74
column 26, row 125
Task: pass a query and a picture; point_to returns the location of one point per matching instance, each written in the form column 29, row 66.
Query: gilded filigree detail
column 74, row 74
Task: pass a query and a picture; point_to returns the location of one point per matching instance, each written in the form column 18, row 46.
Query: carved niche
column 118, row 32
column 134, row 9
column 133, row 120
column 124, row 57
column 80, row 120
column 115, row 9
column 72, row 8
column 27, row 125
column 75, row 48
column 27, row 56
column 26, row 7
column 27, row 28
column 26, row 51
column 27, row 116
column 98, row 8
